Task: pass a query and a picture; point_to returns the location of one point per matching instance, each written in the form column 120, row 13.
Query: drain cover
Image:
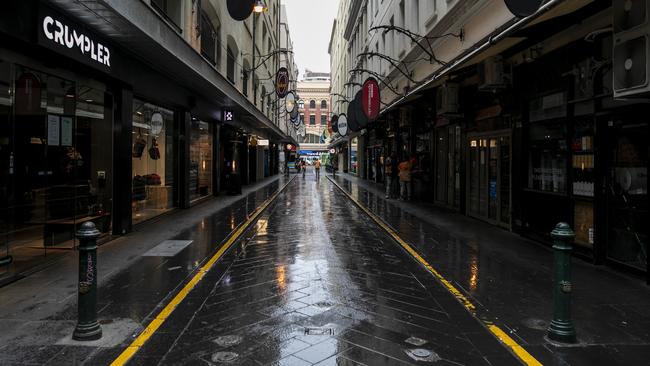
column 319, row 331
column 415, row 341
column 421, row 354
column 224, row 357
column 228, row 340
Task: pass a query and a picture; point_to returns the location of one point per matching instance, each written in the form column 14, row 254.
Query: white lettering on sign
column 68, row 37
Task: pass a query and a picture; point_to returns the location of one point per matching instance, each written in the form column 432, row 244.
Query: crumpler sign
column 523, row 8
column 64, row 36
column 282, row 82
column 370, row 99
column 240, row 9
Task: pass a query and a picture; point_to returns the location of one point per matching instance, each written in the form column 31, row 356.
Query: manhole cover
column 415, row 341
column 224, row 357
column 421, row 354
column 324, row 304
column 533, row 323
column 319, row 331
column 228, row 340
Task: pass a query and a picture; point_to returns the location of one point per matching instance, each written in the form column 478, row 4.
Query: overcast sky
column 310, row 24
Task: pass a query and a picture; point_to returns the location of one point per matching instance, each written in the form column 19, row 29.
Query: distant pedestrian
column 390, row 169
column 335, row 165
column 303, row 166
column 317, row 168
column 405, row 179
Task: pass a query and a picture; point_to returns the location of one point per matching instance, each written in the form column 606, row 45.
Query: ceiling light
column 259, row 7
column 89, row 100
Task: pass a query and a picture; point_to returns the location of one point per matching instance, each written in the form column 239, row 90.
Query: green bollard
column 561, row 328
column 87, row 329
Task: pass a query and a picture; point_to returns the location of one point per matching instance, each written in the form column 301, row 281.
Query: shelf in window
column 551, row 193
column 583, row 197
column 583, row 152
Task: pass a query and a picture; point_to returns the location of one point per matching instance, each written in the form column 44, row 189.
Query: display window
column 200, row 183
column 547, row 161
column 153, row 160
column 56, row 153
column 354, row 165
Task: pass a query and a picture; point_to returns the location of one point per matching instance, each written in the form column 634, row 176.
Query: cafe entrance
column 488, row 177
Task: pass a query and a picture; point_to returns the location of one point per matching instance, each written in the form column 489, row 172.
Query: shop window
column 547, row 161
column 354, row 166
column 56, row 164
column 153, row 161
column 200, row 183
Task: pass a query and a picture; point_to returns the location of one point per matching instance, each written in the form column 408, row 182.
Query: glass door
column 627, row 195
column 489, row 179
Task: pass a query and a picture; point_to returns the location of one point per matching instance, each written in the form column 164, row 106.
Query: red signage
column 370, row 99
column 282, row 82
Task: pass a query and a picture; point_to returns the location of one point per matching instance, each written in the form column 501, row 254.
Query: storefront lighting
column 138, row 113
column 89, row 100
column 259, row 7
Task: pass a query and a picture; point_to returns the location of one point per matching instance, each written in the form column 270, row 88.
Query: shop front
column 56, row 161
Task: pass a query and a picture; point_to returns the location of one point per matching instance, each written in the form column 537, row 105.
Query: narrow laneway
column 318, row 282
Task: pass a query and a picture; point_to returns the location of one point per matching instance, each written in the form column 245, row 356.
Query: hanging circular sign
column 332, row 151
column 353, row 125
column 335, row 123
column 523, row 8
column 343, row 124
column 370, row 99
column 290, row 102
column 294, row 116
column 359, row 116
column 282, row 82
column 240, row 9
column 156, row 123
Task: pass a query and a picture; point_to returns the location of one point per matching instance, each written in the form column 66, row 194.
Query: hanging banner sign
column 335, row 123
column 351, row 117
column 282, row 82
column 240, row 9
column 370, row 99
column 294, row 116
column 290, row 102
column 359, row 116
column 523, row 8
column 343, row 125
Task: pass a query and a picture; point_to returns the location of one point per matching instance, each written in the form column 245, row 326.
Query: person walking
column 335, row 165
column 405, row 179
column 390, row 170
column 317, row 168
column 303, row 166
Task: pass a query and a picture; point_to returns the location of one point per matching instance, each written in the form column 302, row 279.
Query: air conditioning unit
column 447, row 99
column 493, row 74
column 631, row 57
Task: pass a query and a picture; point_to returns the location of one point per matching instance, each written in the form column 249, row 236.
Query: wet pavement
column 509, row 279
column 129, row 299
column 316, row 282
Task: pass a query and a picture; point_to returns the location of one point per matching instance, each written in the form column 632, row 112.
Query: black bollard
column 561, row 328
column 87, row 329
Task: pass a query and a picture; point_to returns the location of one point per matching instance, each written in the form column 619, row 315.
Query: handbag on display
column 154, row 153
column 138, row 146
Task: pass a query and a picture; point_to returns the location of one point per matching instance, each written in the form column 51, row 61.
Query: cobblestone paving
column 317, row 283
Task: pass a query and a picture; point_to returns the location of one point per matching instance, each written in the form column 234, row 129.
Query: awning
column 135, row 27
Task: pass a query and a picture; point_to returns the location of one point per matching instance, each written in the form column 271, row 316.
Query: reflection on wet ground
column 317, row 282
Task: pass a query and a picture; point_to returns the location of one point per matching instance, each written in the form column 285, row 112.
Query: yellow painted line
column 158, row 321
column 506, row 340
